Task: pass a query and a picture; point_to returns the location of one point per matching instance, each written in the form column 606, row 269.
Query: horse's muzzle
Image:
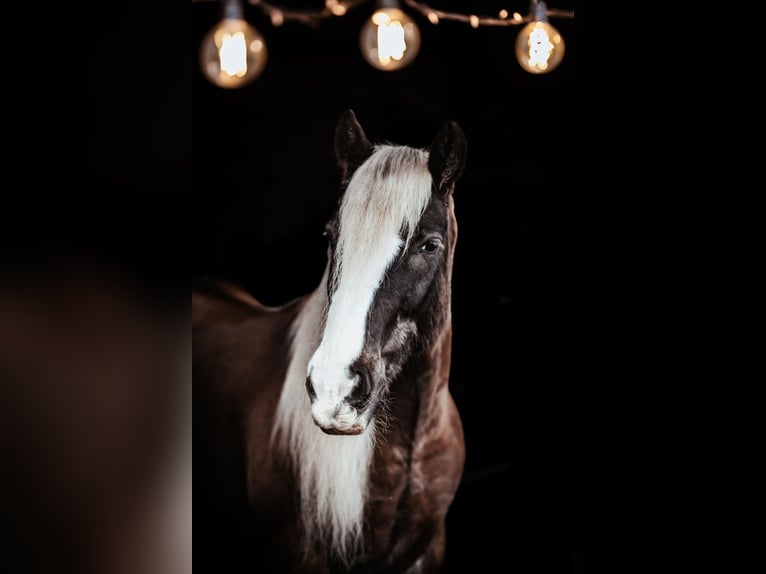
column 339, row 425
column 337, row 418
column 340, row 409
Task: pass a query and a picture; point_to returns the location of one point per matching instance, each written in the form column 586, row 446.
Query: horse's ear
column 352, row 147
column 446, row 159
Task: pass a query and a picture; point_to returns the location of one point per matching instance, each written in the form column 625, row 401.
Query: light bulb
column 539, row 46
column 233, row 53
column 390, row 39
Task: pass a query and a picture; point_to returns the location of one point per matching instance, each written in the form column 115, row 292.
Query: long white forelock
column 386, row 196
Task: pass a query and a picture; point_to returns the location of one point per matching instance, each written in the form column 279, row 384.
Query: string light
column 388, row 40
column 232, row 53
column 539, row 46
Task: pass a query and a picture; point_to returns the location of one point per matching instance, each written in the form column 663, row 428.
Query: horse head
column 390, row 249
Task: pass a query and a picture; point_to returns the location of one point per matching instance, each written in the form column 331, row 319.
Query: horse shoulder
column 436, row 470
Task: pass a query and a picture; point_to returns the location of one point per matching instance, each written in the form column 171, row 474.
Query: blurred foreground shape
column 96, row 424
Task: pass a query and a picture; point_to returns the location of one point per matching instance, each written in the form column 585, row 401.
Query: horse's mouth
column 354, row 429
column 338, row 418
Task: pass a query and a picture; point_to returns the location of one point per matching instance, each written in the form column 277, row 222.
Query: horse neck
column 419, row 390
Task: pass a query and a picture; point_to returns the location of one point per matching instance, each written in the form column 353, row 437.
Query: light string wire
column 279, row 14
column 503, row 18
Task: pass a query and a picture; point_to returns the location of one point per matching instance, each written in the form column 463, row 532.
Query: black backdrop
column 590, row 364
column 265, row 182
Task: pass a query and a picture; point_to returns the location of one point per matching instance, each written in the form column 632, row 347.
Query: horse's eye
column 430, row 245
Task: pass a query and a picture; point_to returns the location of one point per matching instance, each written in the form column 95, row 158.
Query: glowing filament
column 540, row 48
column 233, row 54
column 391, row 43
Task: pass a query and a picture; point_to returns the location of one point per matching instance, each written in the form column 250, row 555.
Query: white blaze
column 344, row 332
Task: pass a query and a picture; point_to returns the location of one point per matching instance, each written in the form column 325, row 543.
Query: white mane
column 390, row 191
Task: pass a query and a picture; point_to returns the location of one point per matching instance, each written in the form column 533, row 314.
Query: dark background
column 265, row 182
column 603, row 299
column 607, row 266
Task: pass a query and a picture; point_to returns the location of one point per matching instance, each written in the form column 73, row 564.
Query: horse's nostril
column 310, row 389
column 360, row 394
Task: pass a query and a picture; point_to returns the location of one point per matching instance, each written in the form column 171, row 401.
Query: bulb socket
column 380, row 4
column 233, row 10
column 539, row 11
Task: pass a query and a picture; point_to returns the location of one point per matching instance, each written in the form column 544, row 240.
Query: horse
column 331, row 415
